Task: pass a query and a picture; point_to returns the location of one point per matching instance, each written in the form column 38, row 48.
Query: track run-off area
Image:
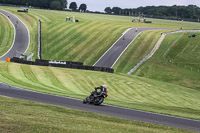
column 21, row 43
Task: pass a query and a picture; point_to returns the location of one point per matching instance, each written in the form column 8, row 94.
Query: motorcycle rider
column 102, row 88
column 96, row 93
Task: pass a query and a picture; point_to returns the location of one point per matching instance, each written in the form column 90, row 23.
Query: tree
column 116, row 10
column 83, row 7
column 108, row 10
column 73, row 6
column 66, row 3
column 36, row 3
column 56, row 5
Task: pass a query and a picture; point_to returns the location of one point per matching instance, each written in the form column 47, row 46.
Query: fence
column 185, row 66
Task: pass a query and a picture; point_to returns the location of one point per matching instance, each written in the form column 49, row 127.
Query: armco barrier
column 18, row 60
column 57, row 62
column 63, row 64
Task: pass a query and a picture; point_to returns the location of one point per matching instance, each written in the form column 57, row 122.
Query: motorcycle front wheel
column 86, row 100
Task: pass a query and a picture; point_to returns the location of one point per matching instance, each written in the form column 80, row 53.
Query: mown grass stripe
column 57, row 46
column 43, row 17
column 93, row 46
column 82, row 49
column 13, row 80
column 28, row 72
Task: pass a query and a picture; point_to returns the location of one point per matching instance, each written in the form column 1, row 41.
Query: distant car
column 193, row 35
column 24, row 10
column 133, row 20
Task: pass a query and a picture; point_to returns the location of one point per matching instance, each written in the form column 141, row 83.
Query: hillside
column 87, row 40
column 178, row 64
column 74, row 41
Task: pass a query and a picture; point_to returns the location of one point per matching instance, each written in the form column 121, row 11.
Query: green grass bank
column 178, row 65
column 6, row 34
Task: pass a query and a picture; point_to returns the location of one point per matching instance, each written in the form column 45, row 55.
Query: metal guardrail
column 156, row 47
column 39, row 40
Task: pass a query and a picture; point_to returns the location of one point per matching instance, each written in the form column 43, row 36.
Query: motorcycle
column 95, row 98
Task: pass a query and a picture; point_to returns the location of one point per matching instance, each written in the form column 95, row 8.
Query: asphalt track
column 110, row 57
column 14, row 92
column 21, row 39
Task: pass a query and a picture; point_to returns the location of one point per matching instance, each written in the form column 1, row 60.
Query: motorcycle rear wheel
column 98, row 100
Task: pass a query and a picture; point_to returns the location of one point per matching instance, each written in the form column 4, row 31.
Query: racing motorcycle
column 95, row 98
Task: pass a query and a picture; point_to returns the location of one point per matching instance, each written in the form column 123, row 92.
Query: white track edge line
column 152, row 113
column 125, row 49
column 14, row 87
column 112, row 46
column 130, row 44
column 25, row 27
column 27, row 31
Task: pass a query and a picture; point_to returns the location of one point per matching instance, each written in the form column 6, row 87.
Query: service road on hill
column 110, row 57
column 21, row 38
column 14, row 92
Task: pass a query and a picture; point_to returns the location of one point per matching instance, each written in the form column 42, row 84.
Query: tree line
column 73, row 6
column 46, row 4
column 188, row 12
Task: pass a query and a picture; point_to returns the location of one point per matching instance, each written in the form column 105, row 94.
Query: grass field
column 37, row 117
column 74, row 41
column 6, row 34
column 127, row 91
column 178, row 65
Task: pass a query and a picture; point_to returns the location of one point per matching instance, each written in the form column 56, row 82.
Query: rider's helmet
column 105, row 90
column 104, row 86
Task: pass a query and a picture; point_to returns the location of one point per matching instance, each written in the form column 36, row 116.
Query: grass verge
column 6, row 34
